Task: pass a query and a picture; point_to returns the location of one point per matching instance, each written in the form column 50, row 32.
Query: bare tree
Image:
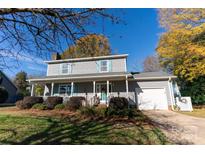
column 36, row 31
column 151, row 64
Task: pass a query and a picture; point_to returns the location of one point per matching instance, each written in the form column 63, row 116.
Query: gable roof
column 87, row 58
column 152, row 75
column 4, row 75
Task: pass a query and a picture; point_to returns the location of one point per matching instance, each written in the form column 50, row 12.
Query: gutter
column 155, row 78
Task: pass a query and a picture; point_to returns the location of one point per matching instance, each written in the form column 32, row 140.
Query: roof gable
column 2, row 76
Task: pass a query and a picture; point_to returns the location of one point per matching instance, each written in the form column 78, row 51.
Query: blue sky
column 138, row 37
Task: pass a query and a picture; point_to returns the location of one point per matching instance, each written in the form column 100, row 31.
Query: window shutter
column 110, row 65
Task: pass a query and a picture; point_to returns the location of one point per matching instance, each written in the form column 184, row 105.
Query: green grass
column 196, row 113
column 50, row 130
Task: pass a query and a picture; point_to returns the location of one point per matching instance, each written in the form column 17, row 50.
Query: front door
column 101, row 90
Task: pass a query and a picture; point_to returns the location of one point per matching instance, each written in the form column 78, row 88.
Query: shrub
column 130, row 113
column 118, row 106
column 19, row 104
column 28, row 102
column 51, row 102
column 101, row 111
column 39, row 106
column 3, row 95
column 106, row 112
column 118, row 103
column 60, row 107
column 19, row 96
column 32, row 100
column 74, row 103
column 195, row 89
column 88, row 111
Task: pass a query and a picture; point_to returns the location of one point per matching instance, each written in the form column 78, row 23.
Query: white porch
column 104, row 89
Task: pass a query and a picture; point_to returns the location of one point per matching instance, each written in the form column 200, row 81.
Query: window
column 65, row 68
column 104, row 66
column 64, row 89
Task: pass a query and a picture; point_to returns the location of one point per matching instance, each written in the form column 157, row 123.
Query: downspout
column 177, row 89
column 171, row 93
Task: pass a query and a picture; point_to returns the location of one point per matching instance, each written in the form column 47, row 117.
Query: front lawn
column 196, row 113
column 59, row 127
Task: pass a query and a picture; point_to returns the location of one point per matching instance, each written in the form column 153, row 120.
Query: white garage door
column 149, row 99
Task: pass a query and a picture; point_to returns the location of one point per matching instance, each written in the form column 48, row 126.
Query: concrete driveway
column 179, row 128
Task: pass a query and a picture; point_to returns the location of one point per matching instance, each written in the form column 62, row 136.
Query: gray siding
column 119, row 65
column 53, row 69
column 87, row 67
column 156, row 84
column 10, row 89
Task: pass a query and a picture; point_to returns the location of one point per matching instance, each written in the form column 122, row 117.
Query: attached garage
column 152, row 98
column 153, row 90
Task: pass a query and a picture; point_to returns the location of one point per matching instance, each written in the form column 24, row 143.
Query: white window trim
column 66, row 89
column 69, row 67
column 107, row 66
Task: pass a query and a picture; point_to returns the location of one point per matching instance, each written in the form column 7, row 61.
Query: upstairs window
column 65, row 68
column 104, row 66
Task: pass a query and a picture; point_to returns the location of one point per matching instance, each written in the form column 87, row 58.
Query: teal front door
column 101, row 90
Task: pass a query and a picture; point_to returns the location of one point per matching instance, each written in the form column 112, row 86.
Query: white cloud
column 22, row 57
column 18, row 62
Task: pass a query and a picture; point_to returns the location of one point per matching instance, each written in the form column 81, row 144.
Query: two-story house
column 107, row 76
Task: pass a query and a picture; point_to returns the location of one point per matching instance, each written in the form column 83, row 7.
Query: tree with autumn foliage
column 88, row 46
column 182, row 47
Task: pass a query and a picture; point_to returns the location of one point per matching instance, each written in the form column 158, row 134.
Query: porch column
column 108, row 89
column 32, row 89
column 52, row 86
column 45, row 90
column 72, row 88
column 94, row 88
column 126, row 82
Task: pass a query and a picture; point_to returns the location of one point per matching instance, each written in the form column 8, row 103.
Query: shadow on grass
column 95, row 131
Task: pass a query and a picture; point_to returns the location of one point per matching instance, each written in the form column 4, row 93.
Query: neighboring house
column 107, row 76
column 9, row 86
